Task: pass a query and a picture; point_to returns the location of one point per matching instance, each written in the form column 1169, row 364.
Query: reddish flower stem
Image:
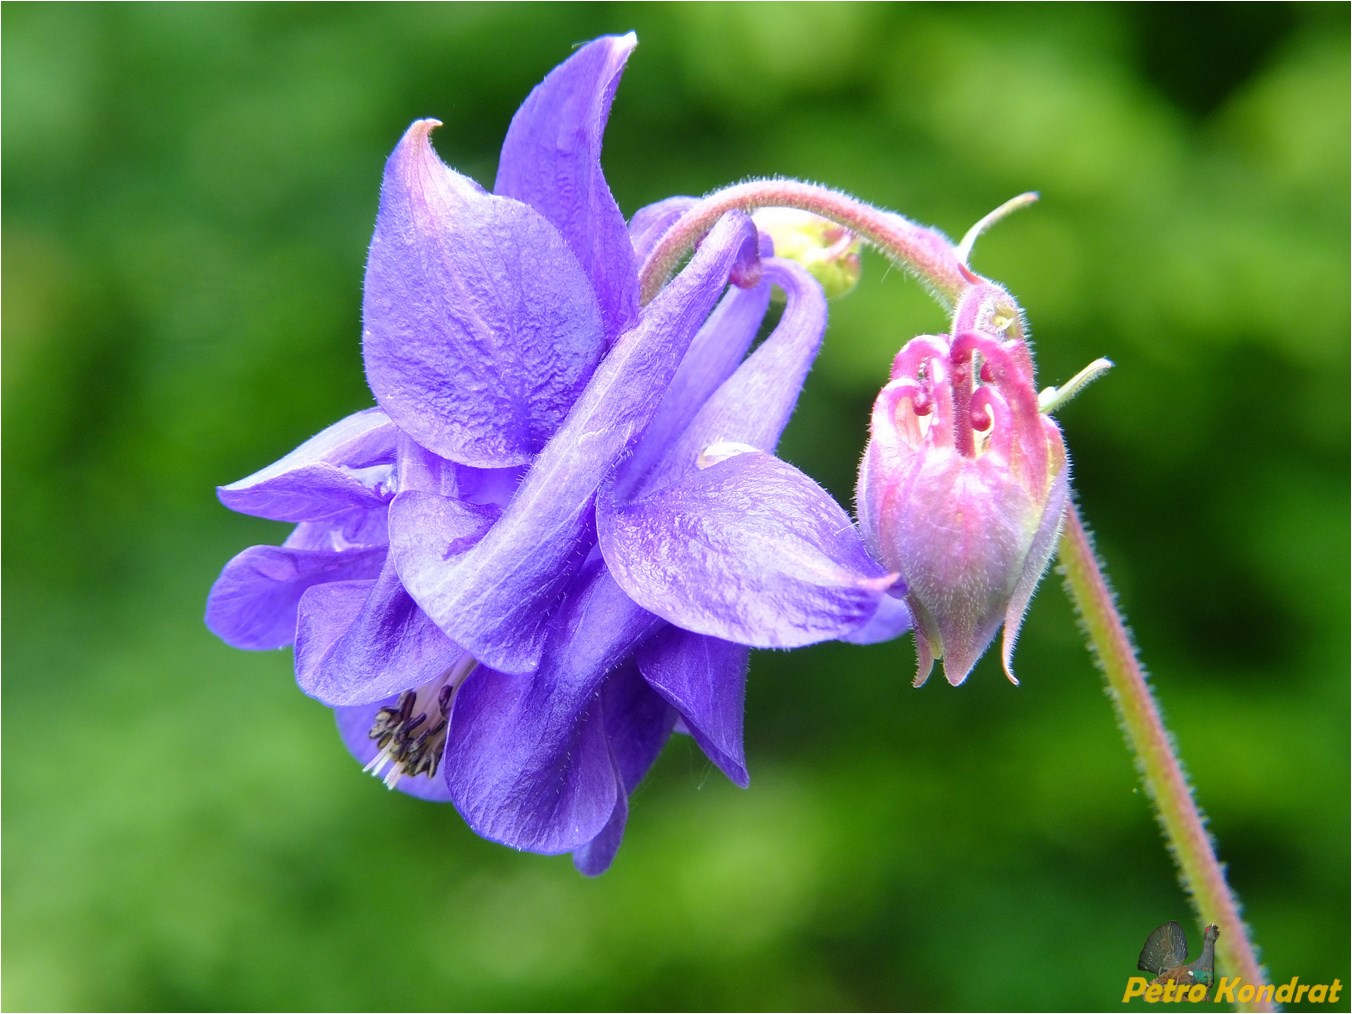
column 926, row 253
column 1143, row 725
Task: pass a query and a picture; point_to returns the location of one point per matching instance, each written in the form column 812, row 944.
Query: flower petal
column 524, row 762
column 522, row 768
column 480, row 326
column 749, row 550
column 714, row 355
column 1043, row 545
column 704, row 679
column 355, row 529
column 892, row 619
column 754, row 405
column 551, row 160
column 497, row 599
column 594, row 857
column 358, row 642
column 253, row 603
column 354, row 726
column 323, row 476
column 638, row 724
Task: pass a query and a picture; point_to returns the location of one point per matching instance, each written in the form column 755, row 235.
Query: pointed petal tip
column 957, row 674
column 924, row 659
column 419, row 131
column 959, row 661
column 415, row 146
column 1007, row 650
column 625, row 43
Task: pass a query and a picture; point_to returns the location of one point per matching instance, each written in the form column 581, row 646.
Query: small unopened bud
column 962, row 491
column 829, row 251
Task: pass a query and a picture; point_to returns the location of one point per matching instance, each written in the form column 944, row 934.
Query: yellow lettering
column 1225, row 988
column 1154, row 992
column 1135, row 987
column 1245, row 992
column 1197, row 992
column 1287, row 990
column 1263, row 994
column 1334, row 990
column 1319, row 993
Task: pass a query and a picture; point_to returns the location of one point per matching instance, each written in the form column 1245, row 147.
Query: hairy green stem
column 1165, row 783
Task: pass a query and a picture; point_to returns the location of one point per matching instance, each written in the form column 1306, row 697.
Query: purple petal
column 551, row 160
column 497, row 599
column 755, row 404
column 354, row 529
column 523, row 765
column 704, row 679
column 430, row 535
column 354, row 726
column 480, row 326
column 334, row 471
column 892, row 619
column 594, row 858
column 749, row 550
column 714, row 355
column 526, row 762
column 638, row 724
column 253, row 603
column 358, row 642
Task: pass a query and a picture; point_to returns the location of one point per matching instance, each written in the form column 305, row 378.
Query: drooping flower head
column 515, row 576
column 962, row 489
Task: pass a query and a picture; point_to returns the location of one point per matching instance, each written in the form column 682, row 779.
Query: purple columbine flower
column 962, row 490
column 556, row 537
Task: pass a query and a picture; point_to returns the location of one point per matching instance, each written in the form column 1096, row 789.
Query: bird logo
column 1165, row 956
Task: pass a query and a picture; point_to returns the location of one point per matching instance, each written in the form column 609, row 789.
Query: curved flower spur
column 490, row 629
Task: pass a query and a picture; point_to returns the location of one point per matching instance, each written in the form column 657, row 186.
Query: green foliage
column 188, row 195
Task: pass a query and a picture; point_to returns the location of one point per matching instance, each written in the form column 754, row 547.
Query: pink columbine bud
column 961, row 491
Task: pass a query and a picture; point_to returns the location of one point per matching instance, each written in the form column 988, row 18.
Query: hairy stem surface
column 1198, row 868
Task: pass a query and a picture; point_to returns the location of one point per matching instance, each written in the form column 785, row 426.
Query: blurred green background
column 188, row 194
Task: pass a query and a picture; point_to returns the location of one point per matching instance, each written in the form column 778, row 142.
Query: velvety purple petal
column 651, row 221
column 354, row 726
column 749, row 550
column 704, row 679
column 337, row 470
column 521, row 767
column 551, row 160
column 594, row 858
column 354, row 529
column 253, row 603
column 358, row 642
column 638, row 723
column 755, row 403
column 892, row 619
column 497, row 599
column 527, row 764
column 714, row 355
column 429, row 536
column 480, row 326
